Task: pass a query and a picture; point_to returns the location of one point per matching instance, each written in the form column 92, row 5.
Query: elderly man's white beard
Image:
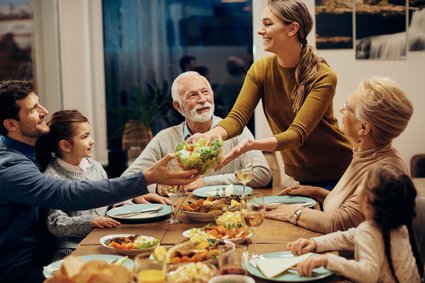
column 199, row 118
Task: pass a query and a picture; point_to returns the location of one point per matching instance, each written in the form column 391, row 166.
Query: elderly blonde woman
column 376, row 113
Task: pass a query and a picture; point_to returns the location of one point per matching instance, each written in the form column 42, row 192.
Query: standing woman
column 296, row 88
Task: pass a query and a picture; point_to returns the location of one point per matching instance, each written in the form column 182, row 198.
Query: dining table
column 270, row 236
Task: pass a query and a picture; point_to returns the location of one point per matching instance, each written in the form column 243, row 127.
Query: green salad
column 142, row 242
column 201, row 155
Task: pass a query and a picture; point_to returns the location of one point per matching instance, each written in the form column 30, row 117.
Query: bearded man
column 193, row 98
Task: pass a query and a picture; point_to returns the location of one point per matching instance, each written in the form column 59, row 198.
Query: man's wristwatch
column 297, row 215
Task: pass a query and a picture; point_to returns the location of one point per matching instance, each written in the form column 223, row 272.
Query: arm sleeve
column 62, row 224
column 346, row 216
column 336, row 241
column 369, row 260
column 244, row 107
column 312, row 111
column 29, row 186
column 150, row 155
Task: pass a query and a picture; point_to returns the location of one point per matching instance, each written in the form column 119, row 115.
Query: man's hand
column 159, row 173
column 194, row 185
column 302, row 246
column 104, row 222
column 305, row 268
column 150, row 198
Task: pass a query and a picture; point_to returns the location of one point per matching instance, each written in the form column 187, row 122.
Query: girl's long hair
column 62, row 126
column 391, row 194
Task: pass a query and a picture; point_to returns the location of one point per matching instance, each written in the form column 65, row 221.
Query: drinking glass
column 171, row 191
column 253, row 211
column 149, row 271
column 234, row 261
column 244, row 172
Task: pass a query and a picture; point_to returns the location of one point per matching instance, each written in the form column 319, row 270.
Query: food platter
column 50, row 269
column 225, row 234
column 142, row 244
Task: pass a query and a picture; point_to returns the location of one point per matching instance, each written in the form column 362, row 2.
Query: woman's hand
column 150, row 198
column 159, row 173
column 243, row 146
column 297, row 189
column 302, row 246
column 306, row 267
column 194, row 185
column 281, row 212
column 104, row 222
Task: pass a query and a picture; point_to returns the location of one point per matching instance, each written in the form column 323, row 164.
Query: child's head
column 390, row 194
column 69, row 138
column 388, row 197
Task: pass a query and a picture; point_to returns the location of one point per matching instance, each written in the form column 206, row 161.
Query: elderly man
column 194, row 99
column 24, row 189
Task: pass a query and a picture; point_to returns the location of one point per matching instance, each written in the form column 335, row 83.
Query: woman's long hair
column 290, row 11
column 391, row 194
column 62, row 125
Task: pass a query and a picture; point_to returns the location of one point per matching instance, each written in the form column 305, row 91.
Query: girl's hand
column 151, row 198
column 104, row 222
column 302, row 246
column 306, row 267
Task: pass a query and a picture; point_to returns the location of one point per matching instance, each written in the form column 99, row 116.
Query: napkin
column 271, row 267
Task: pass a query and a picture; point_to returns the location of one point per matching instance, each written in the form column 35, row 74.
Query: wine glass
column 253, row 211
column 234, row 261
column 244, row 172
column 149, row 271
column 171, row 191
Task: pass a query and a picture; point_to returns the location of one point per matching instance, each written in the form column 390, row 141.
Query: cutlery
column 289, row 202
column 128, row 214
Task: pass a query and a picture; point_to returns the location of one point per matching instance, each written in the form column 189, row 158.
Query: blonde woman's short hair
column 385, row 106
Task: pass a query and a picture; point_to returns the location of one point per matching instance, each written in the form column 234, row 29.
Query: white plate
column 288, row 276
column 201, row 216
column 49, row 269
column 207, row 191
column 115, row 212
column 103, row 241
column 233, row 240
column 290, row 200
column 231, row 278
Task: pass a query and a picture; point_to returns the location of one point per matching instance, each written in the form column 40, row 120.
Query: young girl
column 65, row 152
column 384, row 245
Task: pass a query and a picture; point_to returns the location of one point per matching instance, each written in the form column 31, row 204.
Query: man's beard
column 199, row 118
column 38, row 131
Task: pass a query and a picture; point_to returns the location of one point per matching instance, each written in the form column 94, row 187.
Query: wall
column 408, row 73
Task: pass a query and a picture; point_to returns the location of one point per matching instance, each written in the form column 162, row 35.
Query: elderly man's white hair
column 175, row 85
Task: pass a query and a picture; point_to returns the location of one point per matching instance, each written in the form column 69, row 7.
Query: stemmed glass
column 253, row 211
column 244, row 172
column 171, row 191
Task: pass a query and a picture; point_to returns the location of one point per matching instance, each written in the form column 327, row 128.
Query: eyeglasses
column 345, row 107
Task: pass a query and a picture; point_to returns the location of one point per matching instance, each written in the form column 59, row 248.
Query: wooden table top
column 271, row 236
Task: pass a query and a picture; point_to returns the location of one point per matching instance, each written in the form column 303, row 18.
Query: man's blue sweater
column 24, row 189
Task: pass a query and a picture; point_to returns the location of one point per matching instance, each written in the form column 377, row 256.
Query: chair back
column 417, row 166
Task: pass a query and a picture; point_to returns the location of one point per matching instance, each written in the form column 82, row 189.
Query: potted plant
column 144, row 108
